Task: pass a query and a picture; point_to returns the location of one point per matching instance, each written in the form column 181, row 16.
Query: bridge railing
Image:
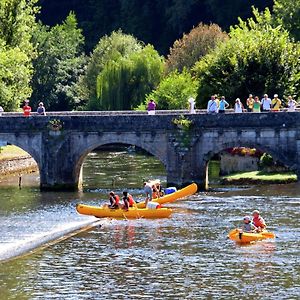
column 122, row 112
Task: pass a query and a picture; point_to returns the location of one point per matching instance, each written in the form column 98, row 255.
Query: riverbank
column 259, row 177
column 15, row 161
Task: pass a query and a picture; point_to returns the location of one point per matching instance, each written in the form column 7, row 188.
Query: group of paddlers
column 256, row 224
column 152, row 190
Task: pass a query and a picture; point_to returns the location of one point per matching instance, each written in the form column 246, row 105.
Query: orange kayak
column 187, row 191
column 249, row 237
column 132, row 213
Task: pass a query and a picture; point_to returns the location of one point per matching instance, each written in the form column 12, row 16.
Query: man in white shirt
column 212, row 106
column 266, row 103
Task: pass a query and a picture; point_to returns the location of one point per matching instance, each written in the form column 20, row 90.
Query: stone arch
column 22, row 143
column 220, row 146
column 102, row 141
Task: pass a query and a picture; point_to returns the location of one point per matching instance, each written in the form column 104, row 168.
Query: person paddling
column 128, row 200
column 248, row 226
column 114, row 200
column 258, row 221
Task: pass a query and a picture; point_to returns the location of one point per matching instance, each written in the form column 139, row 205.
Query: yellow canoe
column 132, row 213
column 187, row 191
column 249, row 237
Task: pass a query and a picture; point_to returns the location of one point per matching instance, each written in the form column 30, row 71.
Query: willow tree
column 124, row 83
column 109, row 49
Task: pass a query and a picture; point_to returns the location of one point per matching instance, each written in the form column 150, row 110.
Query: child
column 258, row 221
column 248, row 226
column 114, row 200
column 128, row 200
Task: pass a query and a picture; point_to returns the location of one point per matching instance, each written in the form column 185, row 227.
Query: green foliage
column 258, row 58
column 287, row 13
column 174, row 90
column 266, row 160
column 191, row 47
column 59, row 64
column 55, row 125
column 109, row 49
column 182, row 122
column 123, row 83
column 17, row 22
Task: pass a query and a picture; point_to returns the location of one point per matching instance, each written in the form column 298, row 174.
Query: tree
column 287, row 13
column 109, row 49
column 258, row 58
column 123, row 83
column 174, row 90
column 191, row 47
column 59, row 64
column 17, row 22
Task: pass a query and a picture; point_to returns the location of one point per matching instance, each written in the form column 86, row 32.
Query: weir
column 59, row 142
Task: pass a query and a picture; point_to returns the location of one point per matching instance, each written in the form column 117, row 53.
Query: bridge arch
column 29, row 146
column 145, row 144
column 281, row 156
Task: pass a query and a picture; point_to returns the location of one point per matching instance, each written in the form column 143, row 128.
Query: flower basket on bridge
column 55, row 125
column 183, row 123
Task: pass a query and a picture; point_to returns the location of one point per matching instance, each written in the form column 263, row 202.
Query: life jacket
column 117, row 198
column 131, row 201
column 259, row 222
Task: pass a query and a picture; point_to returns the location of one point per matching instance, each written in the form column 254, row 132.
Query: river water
column 187, row 256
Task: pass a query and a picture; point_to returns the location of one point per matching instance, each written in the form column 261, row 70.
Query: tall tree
column 109, row 49
column 124, row 83
column 287, row 13
column 192, row 46
column 258, row 58
column 17, row 23
column 59, row 64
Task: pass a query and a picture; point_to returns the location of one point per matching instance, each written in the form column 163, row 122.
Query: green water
column 187, row 256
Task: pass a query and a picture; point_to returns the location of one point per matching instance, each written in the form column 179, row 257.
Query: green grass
column 10, row 152
column 261, row 176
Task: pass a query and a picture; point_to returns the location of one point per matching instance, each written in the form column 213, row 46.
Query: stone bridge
column 184, row 153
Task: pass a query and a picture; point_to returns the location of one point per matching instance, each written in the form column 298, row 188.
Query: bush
column 257, row 59
column 191, row 47
column 174, row 90
column 266, row 160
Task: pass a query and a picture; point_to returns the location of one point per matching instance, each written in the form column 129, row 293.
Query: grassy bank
column 11, row 152
column 259, row 177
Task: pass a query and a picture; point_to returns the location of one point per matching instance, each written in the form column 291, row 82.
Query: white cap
column 275, row 96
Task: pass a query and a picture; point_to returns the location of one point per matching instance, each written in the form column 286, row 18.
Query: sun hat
column 255, row 212
column 247, row 218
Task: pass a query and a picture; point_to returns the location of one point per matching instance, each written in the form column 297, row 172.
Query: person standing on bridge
column 41, row 109
column 26, row 109
column 151, row 107
column 1, row 110
column 212, row 106
column 291, row 104
column 223, row 105
column 266, row 103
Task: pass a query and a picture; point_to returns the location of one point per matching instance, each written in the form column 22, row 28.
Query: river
column 187, row 256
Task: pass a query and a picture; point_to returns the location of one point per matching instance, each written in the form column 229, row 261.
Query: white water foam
column 17, row 248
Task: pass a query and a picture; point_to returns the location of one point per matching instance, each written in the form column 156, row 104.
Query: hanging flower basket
column 55, row 125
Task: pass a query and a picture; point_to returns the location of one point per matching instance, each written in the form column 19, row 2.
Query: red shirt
column 26, row 110
column 259, row 222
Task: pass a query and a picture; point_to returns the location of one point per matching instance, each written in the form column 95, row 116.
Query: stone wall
column 235, row 163
column 20, row 165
